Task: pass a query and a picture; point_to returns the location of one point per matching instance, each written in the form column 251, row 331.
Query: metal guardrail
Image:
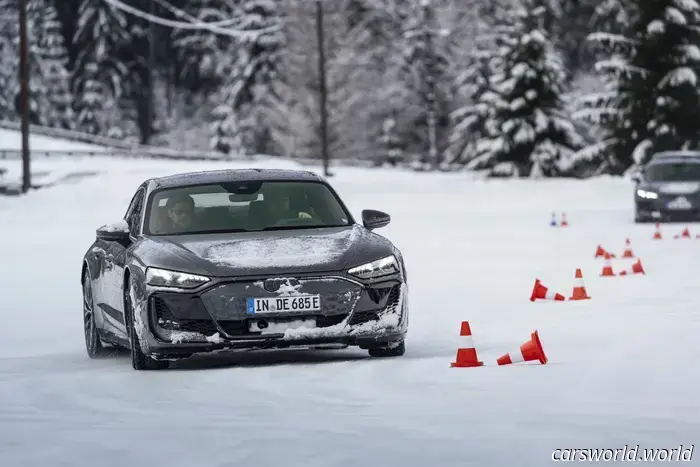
column 70, row 135
column 171, row 154
column 137, row 153
column 119, row 148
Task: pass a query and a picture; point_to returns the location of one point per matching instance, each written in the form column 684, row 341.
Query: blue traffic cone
column 554, row 220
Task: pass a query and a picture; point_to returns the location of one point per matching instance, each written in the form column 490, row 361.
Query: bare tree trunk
column 24, row 94
column 431, row 97
column 323, row 91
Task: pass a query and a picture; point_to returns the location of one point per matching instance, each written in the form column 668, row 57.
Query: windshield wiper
column 207, row 232
column 299, row 227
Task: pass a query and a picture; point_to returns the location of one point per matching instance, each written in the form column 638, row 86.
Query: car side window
column 133, row 214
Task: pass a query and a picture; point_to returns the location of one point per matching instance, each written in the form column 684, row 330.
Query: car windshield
column 243, row 207
column 673, row 172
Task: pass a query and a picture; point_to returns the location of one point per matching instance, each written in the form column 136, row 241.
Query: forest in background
column 511, row 87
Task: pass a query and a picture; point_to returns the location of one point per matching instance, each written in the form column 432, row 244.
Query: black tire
column 93, row 343
column 392, row 350
column 139, row 360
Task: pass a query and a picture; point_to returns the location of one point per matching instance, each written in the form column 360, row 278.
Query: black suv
column 668, row 188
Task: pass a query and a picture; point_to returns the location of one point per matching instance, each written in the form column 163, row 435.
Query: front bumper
column 658, row 209
column 352, row 314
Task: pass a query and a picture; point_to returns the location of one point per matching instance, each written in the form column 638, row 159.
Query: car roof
column 235, row 175
column 675, row 156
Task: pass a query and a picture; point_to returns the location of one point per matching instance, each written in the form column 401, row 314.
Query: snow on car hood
column 282, row 251
column 677, row 188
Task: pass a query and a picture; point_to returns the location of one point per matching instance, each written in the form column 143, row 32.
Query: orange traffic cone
column 628, row 250
column 529, row 351
column 607, row 267
column 637, row 268
column 657, row 232
column 579, row 292
column 599, row 252
column 564, row 222
column 540, row 292
column 466, row 356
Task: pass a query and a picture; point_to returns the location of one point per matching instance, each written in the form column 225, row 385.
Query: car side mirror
column 373, row 219
column 116, row 232
column 636, row 177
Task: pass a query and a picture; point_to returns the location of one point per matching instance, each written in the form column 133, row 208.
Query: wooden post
column 323, row 91
column 24, row 94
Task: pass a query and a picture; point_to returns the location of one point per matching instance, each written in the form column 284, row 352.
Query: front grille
column 228, row 301
column 360, row 317
column 166, row 320
column 234, row 328
column 392, row 305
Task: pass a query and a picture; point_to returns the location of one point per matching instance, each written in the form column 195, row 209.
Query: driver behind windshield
column 180, row 210
column 279, row 203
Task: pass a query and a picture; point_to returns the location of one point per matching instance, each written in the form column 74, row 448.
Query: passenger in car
column 180, row 209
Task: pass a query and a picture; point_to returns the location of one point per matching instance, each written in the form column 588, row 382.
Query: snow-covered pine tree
column 612, row 16
column 391, row 143
column 91, row 114
column 530, row 133
column 51, row 56
column 9, row 65
column 427, row 50
column 653, row 98
column 227, row 134
column 202, row 58
column 249, row 89
column 470, row 121
column 39, row 103
column 101, row 33
column 369, row 74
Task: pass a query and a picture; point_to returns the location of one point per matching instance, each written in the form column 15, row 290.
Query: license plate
column 284, row 304
column 679, row 203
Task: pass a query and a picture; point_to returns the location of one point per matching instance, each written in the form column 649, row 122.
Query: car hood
column 674, row 188
column 269, row 253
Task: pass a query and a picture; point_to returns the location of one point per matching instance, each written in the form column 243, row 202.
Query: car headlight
column 647, row 194
column 379, row 268
column 182, row 280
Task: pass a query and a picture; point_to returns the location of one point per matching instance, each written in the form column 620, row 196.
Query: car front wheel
column 394, row 349
column 93, row 343
column 139, row 360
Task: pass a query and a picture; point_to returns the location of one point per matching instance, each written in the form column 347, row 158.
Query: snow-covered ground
column 11, row 139
column 622, row 366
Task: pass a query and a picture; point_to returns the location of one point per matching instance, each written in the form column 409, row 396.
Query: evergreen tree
column 9, row 63
column 91, row 105
column 52, row 59
column 101, row 34
column 390, row 143
column 202, row 58
column 426, row 52
column 653, row 97
column 469, row 121
column 249, row 89
column 529, row 132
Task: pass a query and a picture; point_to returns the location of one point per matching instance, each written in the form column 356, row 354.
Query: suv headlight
column 379, row 268
column 182, row 280
column 647, row 194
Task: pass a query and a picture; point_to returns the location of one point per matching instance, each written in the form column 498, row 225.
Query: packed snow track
column 622, row 366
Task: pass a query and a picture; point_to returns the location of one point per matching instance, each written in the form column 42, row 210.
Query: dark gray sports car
column 242, row 259
column 667, row 188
